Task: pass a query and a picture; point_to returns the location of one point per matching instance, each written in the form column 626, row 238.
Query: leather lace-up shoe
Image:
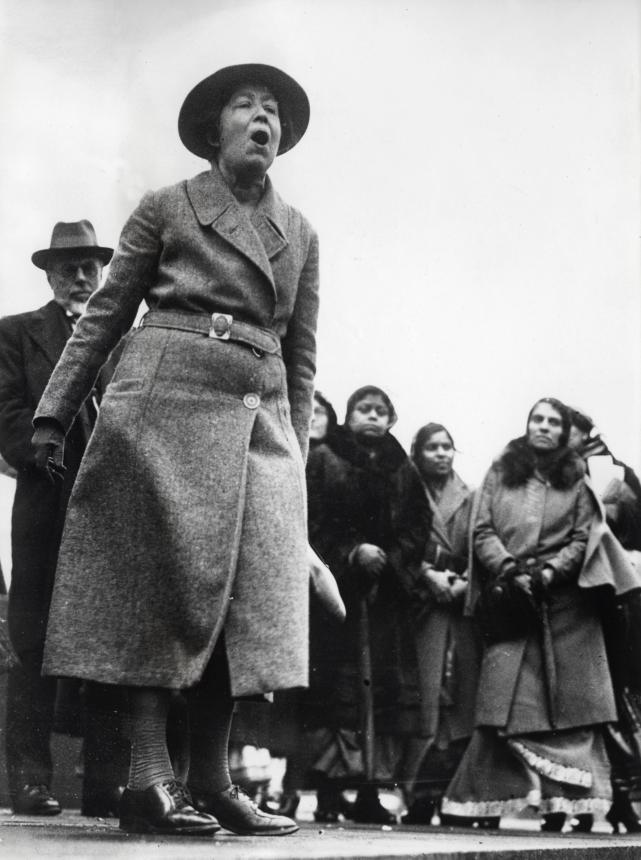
column 236, row 811
column 165, row 808
column 36, row 800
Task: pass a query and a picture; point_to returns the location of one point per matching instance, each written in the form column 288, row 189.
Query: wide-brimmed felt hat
column 207, row 99
column 71, row 238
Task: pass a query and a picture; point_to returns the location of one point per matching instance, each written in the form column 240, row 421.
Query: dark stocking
column 150, row 764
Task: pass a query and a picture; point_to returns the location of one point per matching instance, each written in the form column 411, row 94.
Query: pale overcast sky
column 473, row 170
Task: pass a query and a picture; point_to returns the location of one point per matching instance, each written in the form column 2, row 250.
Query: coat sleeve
column 110, row 313
column 16, row 411
column 488, row 547
column 299, row 347
column 412, row 523
column 567, row 562
column 331, row 528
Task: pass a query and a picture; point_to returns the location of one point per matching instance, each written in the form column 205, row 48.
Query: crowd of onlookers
column 489, row 657
column 488, row 660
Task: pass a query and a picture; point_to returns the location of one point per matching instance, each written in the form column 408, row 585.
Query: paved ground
column 71, row 836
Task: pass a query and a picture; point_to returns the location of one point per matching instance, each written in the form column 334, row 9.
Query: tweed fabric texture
column 189, row 514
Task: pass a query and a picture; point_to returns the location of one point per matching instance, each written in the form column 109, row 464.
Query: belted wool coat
column 188, row 519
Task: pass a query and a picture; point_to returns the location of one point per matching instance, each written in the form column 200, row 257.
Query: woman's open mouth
column 260, row 137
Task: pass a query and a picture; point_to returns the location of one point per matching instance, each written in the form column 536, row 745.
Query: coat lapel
column 453, row 496
column 258, row 239
column 49, row 330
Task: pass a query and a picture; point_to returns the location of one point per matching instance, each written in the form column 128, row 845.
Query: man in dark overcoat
column 30, row 345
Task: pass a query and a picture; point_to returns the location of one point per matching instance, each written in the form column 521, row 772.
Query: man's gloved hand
column 49, row 444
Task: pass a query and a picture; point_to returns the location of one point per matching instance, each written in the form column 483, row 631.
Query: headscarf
column 332, row 419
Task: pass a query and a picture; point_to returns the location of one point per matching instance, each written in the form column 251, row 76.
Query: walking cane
column 367, row 691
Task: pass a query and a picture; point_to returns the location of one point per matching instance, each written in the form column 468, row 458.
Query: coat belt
column 220, row 326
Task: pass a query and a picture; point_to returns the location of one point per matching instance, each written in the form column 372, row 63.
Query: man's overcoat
column 30, row 345
column 188, row 515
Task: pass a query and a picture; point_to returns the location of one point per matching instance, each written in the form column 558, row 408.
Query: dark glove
column 49, row 444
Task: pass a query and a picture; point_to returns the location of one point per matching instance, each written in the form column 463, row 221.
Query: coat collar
column 49, row 330
column 455, row 493
column 259, row 238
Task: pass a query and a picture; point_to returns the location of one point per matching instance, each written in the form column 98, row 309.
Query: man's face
column 73, row 279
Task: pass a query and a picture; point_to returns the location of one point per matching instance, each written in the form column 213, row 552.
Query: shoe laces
column 179, row 792
column 237, row 793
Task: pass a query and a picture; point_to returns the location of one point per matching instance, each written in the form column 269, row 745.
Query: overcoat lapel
column 259, row 238
column 49, row 331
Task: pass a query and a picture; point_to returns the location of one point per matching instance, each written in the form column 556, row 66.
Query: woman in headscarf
column 545, row 691
column 184, row 563
column 369, row 520
column 447, row 644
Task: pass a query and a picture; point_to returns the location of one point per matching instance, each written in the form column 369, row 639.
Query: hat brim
column 209, row 96
column 42, row 258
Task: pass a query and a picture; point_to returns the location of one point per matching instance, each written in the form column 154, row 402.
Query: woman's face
column 249, row 131
column 370, row 417
column 436, row 456
column 320, row 420
column 545, row 427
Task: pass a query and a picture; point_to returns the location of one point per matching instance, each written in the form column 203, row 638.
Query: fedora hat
column 207, row 99
column 71, row 237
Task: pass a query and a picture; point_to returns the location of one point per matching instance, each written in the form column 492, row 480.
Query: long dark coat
column 30, row 345
column 448, row 645
column 356, row 499
column 527, row 686
column 188, row 515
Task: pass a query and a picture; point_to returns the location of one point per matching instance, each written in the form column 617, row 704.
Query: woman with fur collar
column 369, row 519
column 545, row 691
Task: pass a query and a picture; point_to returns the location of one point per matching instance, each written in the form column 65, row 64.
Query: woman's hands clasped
column 445, row 586
column 49, row 444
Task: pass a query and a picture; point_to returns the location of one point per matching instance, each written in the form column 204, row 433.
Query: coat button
column 251, row 401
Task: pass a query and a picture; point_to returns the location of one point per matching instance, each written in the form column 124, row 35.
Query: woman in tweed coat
column 184, row 558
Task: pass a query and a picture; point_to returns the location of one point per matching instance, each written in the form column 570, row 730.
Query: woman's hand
column 49, row 444
column 458, row 587
column 439, row 584
column 547, row 574
column 325, row 586
column 371, row 558
column 524, row 582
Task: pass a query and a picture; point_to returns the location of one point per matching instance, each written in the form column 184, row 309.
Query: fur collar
column 519, row 461
column 387, row 456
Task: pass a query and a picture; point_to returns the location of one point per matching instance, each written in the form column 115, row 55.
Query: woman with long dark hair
column 545, row 691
